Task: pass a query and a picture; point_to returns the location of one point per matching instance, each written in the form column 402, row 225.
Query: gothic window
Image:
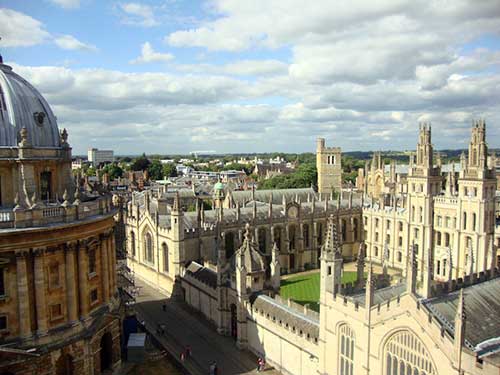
column 320, row 234
column 376, row 223
column 132, row 243
column 400, row 256
column 92, row 261
column 346, row 352
column 444, row 267
column 291, row 237
column 376, row 251
column 376, row 236
column 400, row 241
column 277, row 237
column 148, row 241
column 305, row 235
column 420, row 214
column 405, row 354
column 229, row 244
column 388, row 225
column 474, row 221
column 164, row 249
column 344, row 230
column 438, row 267
column 355, row 228
column 438, row 238
column 388, row 238
column 413, row 213
column 446, row 239
column 262, row 240
column 465, row 220
column 400, row 226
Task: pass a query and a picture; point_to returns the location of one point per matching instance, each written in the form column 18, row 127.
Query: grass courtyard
column 305, row 288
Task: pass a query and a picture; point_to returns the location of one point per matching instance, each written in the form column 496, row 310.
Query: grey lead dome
column 22, row 106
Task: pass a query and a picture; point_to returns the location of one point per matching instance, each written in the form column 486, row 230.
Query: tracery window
column 164, row 249
column 405, row 354
column 262, row 240
column 355, row 228
column 132, row 243
column 305, row 235
column 346, row 352
column 148, row 241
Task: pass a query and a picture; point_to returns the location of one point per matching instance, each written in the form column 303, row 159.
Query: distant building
column 329, row 165
column 97, row 157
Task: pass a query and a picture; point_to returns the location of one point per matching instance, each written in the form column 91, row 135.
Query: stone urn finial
column 64, row 138
column 76, row 202
column 24, row 138
column 65, row 197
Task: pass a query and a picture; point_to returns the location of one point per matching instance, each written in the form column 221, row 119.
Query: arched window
column 92, row 261
column 405, row 354
column 164, row 249
column 446, row 239
column 277, row 237
column 355, row 228
column 376, row 251
column 344, row 230
column 320, row 234
column 474, row 221
column 132, row 243
column 148, row 242
column 291, row 237
column 229, row 244
column 305, row 235
column 262, row 240
column 346, row 352
column 438, row 239
column 465, row 220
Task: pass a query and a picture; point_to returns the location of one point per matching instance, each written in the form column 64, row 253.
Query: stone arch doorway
column 106, row 353
column 64, row 365
column 234, row 322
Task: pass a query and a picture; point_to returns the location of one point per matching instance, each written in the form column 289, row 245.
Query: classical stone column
column 40, row 286
column 71, row 290
column 112, row 267
column 105, row 277
column 23, row 294
column 83, row 286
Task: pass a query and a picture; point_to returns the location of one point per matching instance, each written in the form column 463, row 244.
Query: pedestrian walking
column 262, row 364
column 259, row 364
column 183, row 356
column 215, row 368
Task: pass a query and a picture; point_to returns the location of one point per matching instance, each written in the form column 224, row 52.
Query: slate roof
column 244, row 196
column 306, row 324
column 202, row 274
column 381, row 295
column 482, row 306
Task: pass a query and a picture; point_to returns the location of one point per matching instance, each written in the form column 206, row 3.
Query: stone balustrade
column 53, row 213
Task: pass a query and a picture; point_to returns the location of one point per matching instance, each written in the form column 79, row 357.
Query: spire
column 176, row 206
column 332, row 244
column 275, row 268
column 459, row 334
column 370, row 287
column 411, row 270
column 360, row 264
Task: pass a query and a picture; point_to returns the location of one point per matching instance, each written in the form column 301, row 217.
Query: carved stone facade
column 58, row 290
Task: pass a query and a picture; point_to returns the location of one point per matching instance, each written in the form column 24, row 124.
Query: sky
column 237, row 76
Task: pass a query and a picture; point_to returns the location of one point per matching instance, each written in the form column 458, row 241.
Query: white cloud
column 138, row 14
column 69, row 42
column 148, row 55
column 20, row 30
column 67, row 4
column 238, row 68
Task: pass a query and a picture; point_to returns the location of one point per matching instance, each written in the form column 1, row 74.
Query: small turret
column 275, row 268
column 331, row 261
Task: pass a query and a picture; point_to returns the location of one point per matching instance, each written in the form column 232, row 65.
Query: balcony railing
column 43, row 214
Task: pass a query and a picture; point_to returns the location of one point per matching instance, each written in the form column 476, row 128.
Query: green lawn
column 305, row 288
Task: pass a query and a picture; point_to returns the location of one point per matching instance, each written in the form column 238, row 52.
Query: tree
column 113, row 170
column 169, row 170
column 140, row 164
column 155, row 170
column 305, row 176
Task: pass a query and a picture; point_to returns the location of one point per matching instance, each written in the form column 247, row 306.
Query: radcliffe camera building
column 58, row 295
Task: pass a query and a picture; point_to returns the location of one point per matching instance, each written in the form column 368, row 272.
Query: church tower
column 476, row 220
column 424, row 182
column 329, row 166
